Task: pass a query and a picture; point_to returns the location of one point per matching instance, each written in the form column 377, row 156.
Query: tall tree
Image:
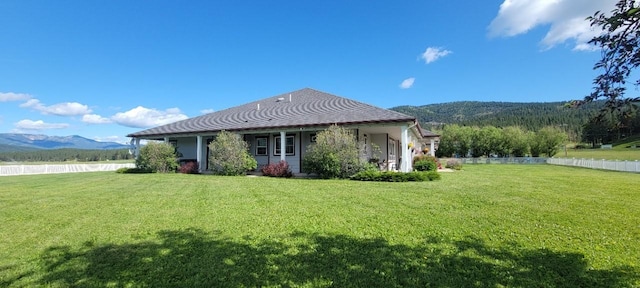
column 620, row 44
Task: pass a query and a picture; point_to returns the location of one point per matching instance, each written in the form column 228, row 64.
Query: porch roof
column 302, row 108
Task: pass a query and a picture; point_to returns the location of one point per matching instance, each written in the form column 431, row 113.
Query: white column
column 432, row 150
column 283, row 146
column 404, row 147
column 166, row 139
column 199, row 153
column 137, row 147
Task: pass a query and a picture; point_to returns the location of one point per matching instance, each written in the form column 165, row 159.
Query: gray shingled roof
column 308, row 107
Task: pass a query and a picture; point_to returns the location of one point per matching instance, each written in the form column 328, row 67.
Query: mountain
column 531, row 116
column 10, row 142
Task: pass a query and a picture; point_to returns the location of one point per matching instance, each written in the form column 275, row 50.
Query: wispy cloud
column 95, row 119
column 407, row 83
column 434, row 53
column 141, row 117
column 207, row 111
column 566, row 19
column 10, row 96
column 27, row 124
column 60, row 109
column 117, row 139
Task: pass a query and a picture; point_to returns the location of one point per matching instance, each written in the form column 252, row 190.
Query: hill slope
column 531, row 116
column 10, row 142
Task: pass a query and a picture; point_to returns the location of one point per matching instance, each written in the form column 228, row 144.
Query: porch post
column 199, row 152
column 404, row 147
column 166, row 139
column 432, row 152
column 137, row 147
column 283, row 146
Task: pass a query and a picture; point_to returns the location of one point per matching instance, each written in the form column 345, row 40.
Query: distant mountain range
column 10, row 142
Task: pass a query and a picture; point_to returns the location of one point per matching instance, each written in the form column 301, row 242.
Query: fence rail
column 10, row 170
column 616, row 165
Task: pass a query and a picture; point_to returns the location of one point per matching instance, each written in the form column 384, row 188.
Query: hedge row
column 390, row 176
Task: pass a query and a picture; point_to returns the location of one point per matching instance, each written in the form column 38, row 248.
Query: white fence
column 8, row 170
column 616, row 165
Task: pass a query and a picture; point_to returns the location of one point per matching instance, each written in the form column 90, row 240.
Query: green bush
column 390, row 176
column 158, row 157
column 334, row 155
column 229, row 155
column 125, row 170
column 425, row 163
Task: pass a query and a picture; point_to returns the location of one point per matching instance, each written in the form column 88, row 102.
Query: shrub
column 390, row 176
column 125, row 170
column 158, row 157
column 190, row 167
column 280, row 169
column 229, row 155
column 425, row 163
column 334, row 155
column 454, row 164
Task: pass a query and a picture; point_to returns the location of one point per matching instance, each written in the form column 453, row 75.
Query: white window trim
column 277, row 145
column 265, row 146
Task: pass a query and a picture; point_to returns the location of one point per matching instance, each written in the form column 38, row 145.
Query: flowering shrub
column 280, row 169
column 454, row 164
column 190, row 167
column 426, row 163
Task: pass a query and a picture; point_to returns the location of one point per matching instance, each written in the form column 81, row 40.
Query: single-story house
column 283, row 126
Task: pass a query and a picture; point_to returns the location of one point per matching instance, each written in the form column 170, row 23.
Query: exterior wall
column 293, row 160
column 187, row 147
column 262, row 160
column 383, row 144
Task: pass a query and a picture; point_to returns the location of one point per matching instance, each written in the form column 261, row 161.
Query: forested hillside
column 61, row 155
column 530, row 116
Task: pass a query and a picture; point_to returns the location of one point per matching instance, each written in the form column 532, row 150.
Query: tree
column 157, row 157
column 547, row 141
column 620, row 44
column 515, row 139
column 334, row 155
column 229, row 155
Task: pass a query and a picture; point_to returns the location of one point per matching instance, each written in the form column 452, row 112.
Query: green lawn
column 609, row 154
column 485, row 226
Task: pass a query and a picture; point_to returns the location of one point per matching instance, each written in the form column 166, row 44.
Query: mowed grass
column 628, row 154
column 485, row 226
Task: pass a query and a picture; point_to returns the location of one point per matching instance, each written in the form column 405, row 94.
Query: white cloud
column 60, row 109
column 433, row 54
column 407, row 83
column 117, row 139
column 207, row 111
column 27, row 124
column 566, row 20
column 141, row 117
column 6, row 97
column 95, row 119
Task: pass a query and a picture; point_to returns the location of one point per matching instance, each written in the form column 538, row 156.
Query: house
column 283, row 126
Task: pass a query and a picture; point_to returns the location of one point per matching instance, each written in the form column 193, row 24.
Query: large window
column 289, row 145
column 261, row 146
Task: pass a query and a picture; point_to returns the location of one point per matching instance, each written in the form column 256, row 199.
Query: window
column 261, row 146
column 392, row 148
column 312, row 138
column 289, row 145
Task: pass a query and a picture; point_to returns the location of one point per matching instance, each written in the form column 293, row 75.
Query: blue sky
column 103, row 69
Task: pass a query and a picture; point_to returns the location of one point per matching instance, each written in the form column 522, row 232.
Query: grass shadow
column 193, row 258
